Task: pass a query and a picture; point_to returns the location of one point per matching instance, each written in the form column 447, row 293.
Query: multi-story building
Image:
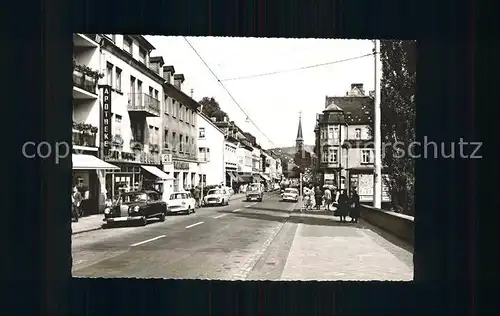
column 210, row 151
column 131, row 115
column 344, row 144
column 244, row 154
column 266, row 162
column 88, row 169
column 180, row 132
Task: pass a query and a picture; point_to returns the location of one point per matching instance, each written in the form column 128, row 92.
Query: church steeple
column 299, row 141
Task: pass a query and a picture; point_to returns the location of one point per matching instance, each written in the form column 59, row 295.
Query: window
column 357, row 133
column 187, row 149
column 166, row 140
column 366, row 156
column 109, row 74
column 201, row 134
column 156, row 95
column 330, row 132
column 332, row 155
column 204, row 153
column 180, row 143
column 142, row 55
column 156, row 136
column 117, row 125
column 174, row 145
column 186, row 115
column 139, row 86
column 118, row 84
column 167, row 105
column 174, row 108
column 151, row 134
column 151, row 91
column 336, row 133
column 127, row 44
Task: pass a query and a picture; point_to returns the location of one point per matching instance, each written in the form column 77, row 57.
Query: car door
column 152, row 205
column 191, row 200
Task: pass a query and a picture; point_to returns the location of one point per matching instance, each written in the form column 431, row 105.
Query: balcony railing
column 86, row 83
column 143, row 103
column 203, row 158
column 84, row 139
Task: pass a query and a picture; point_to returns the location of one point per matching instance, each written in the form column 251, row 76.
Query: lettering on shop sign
column 181, row 165
column 106, row 117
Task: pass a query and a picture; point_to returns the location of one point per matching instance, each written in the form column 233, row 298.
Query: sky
column 272, row 102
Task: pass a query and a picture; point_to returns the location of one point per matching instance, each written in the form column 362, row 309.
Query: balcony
column 139, row 157
column 84, row 40
column 84, row 135
column 203, row 158
column 84, row 86
column 143, row 104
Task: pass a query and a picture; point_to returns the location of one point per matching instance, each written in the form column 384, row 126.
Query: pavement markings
column 195, row 224
column 220, row 215
column 145, row 241
column 237, row 210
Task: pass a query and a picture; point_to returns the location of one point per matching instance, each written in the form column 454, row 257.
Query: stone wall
column 399, row 225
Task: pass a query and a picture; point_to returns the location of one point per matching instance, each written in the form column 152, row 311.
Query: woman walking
column 356, row 209
column 343, row 207
column 318, row 195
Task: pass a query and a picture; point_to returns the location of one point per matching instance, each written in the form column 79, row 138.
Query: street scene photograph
column 232, row 158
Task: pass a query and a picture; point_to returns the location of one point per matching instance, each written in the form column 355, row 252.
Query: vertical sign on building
column 106, row 119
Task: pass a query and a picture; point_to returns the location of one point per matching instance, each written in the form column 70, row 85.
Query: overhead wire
column 297, row 69
column 227, row 91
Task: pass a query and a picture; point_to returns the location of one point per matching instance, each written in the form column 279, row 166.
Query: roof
column 169, row 68
column 299, row 130
column 156, row 59
column 180, row 96
column 331, row 106
column 357, row 110
column 207, row 119
column 144, row 42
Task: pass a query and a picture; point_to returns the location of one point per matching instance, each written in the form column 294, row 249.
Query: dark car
column 136, row 206
column 255, row 192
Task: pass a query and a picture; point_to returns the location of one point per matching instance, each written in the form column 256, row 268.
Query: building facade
column 211, row 148
column 180, row 132
column 344, row 144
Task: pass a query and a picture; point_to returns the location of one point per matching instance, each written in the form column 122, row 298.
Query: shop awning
column 257, row 178
column 265, row 177
column 156, row 172
column 232, row 176
column 89, row 162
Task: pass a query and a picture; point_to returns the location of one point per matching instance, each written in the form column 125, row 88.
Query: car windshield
column 253, row 188
column 290, row 191
column 138, row 197
column 176, row 196
column 214, row 192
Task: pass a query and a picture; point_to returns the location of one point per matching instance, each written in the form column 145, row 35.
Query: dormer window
column 357, row 133
column 127, row 44
column 142, row 55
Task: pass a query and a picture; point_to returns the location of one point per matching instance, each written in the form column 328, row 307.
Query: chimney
column 359, row 86
column 192, row 91
column 178, row 80
column 168, row 73
column 214, row 119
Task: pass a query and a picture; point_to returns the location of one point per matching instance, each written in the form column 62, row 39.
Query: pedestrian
column 76, row 199
column 196, row 195
column 328, row 198
column 356, row 208
column 319, row 197
column 343, row 206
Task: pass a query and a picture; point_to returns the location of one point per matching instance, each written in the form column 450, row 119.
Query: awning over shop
column 257, row 178
column 89, row 162
column 156, row 172
column 265, row 177
column 232, row 176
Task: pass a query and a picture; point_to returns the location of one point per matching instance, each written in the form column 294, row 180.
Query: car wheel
column 144, row 221
column 162, row 217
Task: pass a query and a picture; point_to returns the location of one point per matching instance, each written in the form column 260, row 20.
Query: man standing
column 76, row 199
column 196, row 195
column 328, row 198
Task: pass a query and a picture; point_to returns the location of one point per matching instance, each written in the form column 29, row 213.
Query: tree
column 398, row 87
column 211, row 108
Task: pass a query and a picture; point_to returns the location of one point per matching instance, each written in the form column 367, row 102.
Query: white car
column 290, row 195
column 181, row 202
column 217, row 197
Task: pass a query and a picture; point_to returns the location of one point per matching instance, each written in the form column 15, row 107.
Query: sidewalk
column 87, row 223
column 324, row 249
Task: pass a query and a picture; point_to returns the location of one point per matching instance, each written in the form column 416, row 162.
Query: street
column 265, row 240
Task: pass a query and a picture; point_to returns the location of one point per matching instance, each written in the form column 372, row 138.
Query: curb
column 86, row 230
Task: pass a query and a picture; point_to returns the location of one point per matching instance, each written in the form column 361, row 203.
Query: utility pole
column 300, row 193
column 377, row 172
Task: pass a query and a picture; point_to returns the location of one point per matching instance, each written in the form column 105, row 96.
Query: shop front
column 330, row 179
column 231, row 177
column 362, row 181
column 89, row 174
column 183, row 174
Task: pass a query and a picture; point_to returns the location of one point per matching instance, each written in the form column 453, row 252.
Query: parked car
column 181, row 202
column 255, row 192
column 217, row 197
column 290, row 194
column 138, row 205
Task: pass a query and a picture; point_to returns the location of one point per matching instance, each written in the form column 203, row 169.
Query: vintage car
column 255, row 192
column 217, row 197
column 181, row 202
column 136, row 206
column 290, row 195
